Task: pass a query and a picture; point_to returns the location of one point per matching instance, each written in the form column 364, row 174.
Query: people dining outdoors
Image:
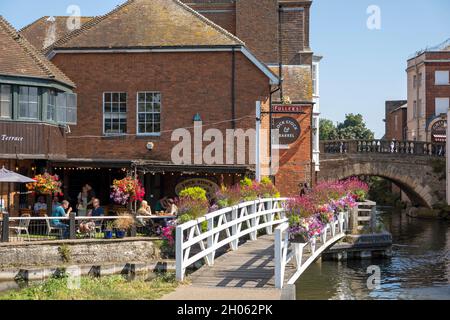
column 90, row 196
column 82, row 202
column 60, row 211
column 55, row 203
column 40, row 205
column 162, row 204
column 144, row 209
column 97, row 211
column 172, row 208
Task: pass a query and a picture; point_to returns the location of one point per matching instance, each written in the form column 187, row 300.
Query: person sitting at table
column 144, row 209
column 40, row 205
column 55, row 203
column 161, row 205
column 60, row 211
column 172, row 208
column 97, row 211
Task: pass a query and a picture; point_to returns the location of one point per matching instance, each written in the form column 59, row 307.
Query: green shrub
column 194, row 193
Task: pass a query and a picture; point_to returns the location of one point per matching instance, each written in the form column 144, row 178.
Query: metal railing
column 26, row 229
column 384, row 146
column 287, row 251
column 201, row 238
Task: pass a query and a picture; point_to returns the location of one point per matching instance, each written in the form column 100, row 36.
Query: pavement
column 189, row 292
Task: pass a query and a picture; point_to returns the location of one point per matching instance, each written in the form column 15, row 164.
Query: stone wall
column 77, row 252
column 414, row 174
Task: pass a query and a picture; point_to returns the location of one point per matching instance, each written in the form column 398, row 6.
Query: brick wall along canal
column 419, row 267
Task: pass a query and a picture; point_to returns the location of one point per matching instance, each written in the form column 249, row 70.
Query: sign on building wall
column 210, row 186
column 289, row 130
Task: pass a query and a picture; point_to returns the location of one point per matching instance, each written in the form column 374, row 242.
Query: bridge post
column 234, row 228
column 353, row 221
column 210, row 241
column 254, row 234
column 179, row 259
column 270, row 217
column 279, row 269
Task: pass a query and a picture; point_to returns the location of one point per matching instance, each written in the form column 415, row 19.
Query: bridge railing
column 287, row 251
column 383, row 146
column 201, row 238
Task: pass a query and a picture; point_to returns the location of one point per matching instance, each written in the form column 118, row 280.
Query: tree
column 327, row 130
column 353, row 128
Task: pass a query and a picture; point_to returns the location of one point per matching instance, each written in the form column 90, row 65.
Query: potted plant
column 108, row 232
column 122, row 225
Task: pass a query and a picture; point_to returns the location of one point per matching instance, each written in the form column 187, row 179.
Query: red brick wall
column 295, row 163
column 256, row 25
column 223, row 13
column 391, row 131
column 435, row 91
column 189, row 83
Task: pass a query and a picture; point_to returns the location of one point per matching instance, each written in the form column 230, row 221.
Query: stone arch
column 415, row 177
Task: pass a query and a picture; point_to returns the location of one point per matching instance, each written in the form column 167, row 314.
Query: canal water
column 419, row 267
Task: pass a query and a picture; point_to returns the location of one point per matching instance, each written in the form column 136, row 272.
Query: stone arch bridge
column 418, row 168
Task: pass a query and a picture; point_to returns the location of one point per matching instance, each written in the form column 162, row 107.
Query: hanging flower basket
column 127, row 190
column 45, row 184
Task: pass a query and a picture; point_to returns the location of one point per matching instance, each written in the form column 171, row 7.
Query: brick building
column 152, row 66
column 396, row 120
column 428, row 93
column 36, row 105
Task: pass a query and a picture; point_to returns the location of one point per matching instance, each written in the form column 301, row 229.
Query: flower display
column 168, row 232
column 126, row 190
column 46, row 184
column 310, row 213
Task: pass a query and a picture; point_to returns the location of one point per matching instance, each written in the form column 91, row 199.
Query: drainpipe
column 233, row 88
column 280, row 54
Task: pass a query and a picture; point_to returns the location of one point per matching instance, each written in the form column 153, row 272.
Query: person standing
column 82, row 202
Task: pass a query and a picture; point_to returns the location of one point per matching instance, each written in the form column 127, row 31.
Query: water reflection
column 419, row 268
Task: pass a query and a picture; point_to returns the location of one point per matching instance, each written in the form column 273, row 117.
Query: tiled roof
column 297, row 82
column 19, row 58
column 46, row 30
column 148, row 23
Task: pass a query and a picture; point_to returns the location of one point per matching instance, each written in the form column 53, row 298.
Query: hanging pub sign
column 439, row 132
column 288, row 108
column 209, row 186
column 288, row 128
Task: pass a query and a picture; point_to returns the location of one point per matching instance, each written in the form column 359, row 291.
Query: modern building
column 396, row 120
column 428, row 92
column 37, row 106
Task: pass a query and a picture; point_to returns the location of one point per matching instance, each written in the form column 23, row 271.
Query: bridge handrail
column 286, row 251
column 229, row 220
column 383, row 146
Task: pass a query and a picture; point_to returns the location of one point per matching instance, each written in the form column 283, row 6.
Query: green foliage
column 246, row 182
column 352, row 128
column 104, row 288
column 194, row 193
column 64, row 251
column 439, row 167
column 328, row 130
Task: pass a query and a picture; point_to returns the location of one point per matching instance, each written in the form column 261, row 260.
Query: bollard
column 5, row 228
column 72, row 226
column 353, row 221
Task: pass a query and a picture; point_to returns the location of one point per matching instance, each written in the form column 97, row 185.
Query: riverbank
column 114, row 287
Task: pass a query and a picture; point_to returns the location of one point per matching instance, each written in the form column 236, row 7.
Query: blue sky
column 361, row 68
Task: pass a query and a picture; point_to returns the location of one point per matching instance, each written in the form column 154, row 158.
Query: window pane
column 142, row 128
column 115, row 97
column 115, row 107
column 123, row 97
column 141, row 97
column 156, row 117
column 123, row 107
column 33, row 94
column 5, row 93
column 157, row 107
column 157, row 98
column 149, row 107
column 157, row 127
column 23, row 94
column 442, row 105
column 141, row 107
column 442, row 77
column 5, row 109
column 107, row 97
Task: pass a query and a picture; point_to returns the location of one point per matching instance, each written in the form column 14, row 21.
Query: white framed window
column 441, row 77
column 149, row 113
column 441, row 105
column 66, row 108
column 28, row 103
column 314, row 78
column 114, row 113
column 5, row 102
column 51, row 106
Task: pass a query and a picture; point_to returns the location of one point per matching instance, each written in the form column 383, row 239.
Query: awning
column 160, row 166
column 439, row 137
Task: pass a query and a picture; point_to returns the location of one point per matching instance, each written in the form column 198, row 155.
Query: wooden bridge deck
column 251, row 266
